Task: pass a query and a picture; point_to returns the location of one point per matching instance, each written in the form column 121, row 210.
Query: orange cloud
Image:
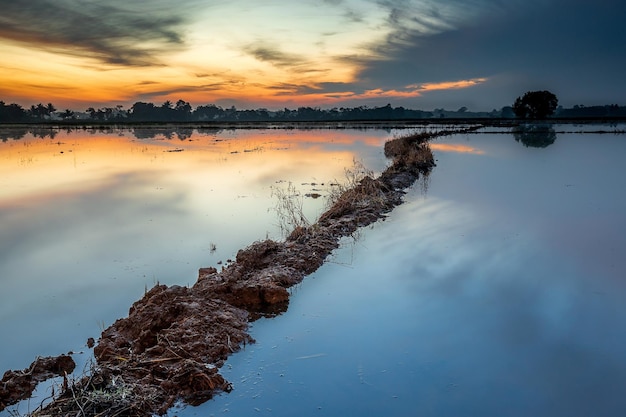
column 448, row 85
column 73, row 82
column 413, row 90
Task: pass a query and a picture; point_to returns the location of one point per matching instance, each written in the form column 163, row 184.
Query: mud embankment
column 175, row 339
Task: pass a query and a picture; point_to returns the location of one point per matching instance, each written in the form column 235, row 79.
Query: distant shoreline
column 318, row 124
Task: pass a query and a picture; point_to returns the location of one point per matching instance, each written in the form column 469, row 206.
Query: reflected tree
column 12, row 134
column 184, row 133
column 44, row 132
column 535, row 135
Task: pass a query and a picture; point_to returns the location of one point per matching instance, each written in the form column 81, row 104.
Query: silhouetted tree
column 40, row 111
column 208, row 112
column 507, row 112
column 183, row 110
column 67, row 114
column 11, row 112
column 535, row 105
column 142, row 112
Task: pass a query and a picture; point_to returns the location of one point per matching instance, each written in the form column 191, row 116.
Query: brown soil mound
column 174, row 339
column 19, row 385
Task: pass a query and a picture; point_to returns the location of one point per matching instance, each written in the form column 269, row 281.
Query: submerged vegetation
column 175, row 339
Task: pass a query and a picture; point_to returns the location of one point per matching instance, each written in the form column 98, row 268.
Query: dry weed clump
column 411, row 152
column 420, row 155
column 367, row 196
column 353, row 177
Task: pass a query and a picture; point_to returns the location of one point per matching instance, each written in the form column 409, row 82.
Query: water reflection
column 480, row 299
column 7, row 134
column 455, row 147
column 179, row 133
column 443, row 312
column 535, row 135
column 90, row 219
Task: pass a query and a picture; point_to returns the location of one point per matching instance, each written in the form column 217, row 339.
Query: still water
column 90, row 219
column 497, row 289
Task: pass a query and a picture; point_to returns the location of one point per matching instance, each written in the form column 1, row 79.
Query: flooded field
column 497, row 289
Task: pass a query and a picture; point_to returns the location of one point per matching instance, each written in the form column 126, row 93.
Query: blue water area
column 498, row 289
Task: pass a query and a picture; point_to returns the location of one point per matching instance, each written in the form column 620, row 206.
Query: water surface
column 497, row 289
column 90, row 219
column 498, row 292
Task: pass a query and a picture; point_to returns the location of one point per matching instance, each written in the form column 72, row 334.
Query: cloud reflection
column 456, row 147
column 501, row 315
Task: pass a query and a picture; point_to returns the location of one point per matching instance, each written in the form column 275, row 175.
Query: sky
column 420, row 54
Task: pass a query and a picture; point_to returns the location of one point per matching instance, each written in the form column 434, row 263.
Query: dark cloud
column 574, row 47
column 286, row 89
column 116, row 32
column 338, row 87
column 161, row 91
column 268, row 53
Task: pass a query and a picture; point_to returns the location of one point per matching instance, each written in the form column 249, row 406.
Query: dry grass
column 89, row 395
column 411, row 151
column 289, row 209
column 353, row 177
column 361, row 193
column 100, row 394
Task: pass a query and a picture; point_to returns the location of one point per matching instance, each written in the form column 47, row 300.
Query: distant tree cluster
column 182, row 111
column 11, row 112
column 16, row 113
column 532, row 105
column 612, row 110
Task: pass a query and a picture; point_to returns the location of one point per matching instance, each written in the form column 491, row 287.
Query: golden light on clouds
column 419, row 54
column 449, row 85
column 261, row 55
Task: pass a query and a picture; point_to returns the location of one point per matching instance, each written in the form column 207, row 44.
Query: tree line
column 182, row 111
column 530, row 106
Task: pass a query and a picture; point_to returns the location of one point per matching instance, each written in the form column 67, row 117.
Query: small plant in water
column 289, row 208
column 101, row 325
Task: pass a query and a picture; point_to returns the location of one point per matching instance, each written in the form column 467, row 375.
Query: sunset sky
column 420, row 54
